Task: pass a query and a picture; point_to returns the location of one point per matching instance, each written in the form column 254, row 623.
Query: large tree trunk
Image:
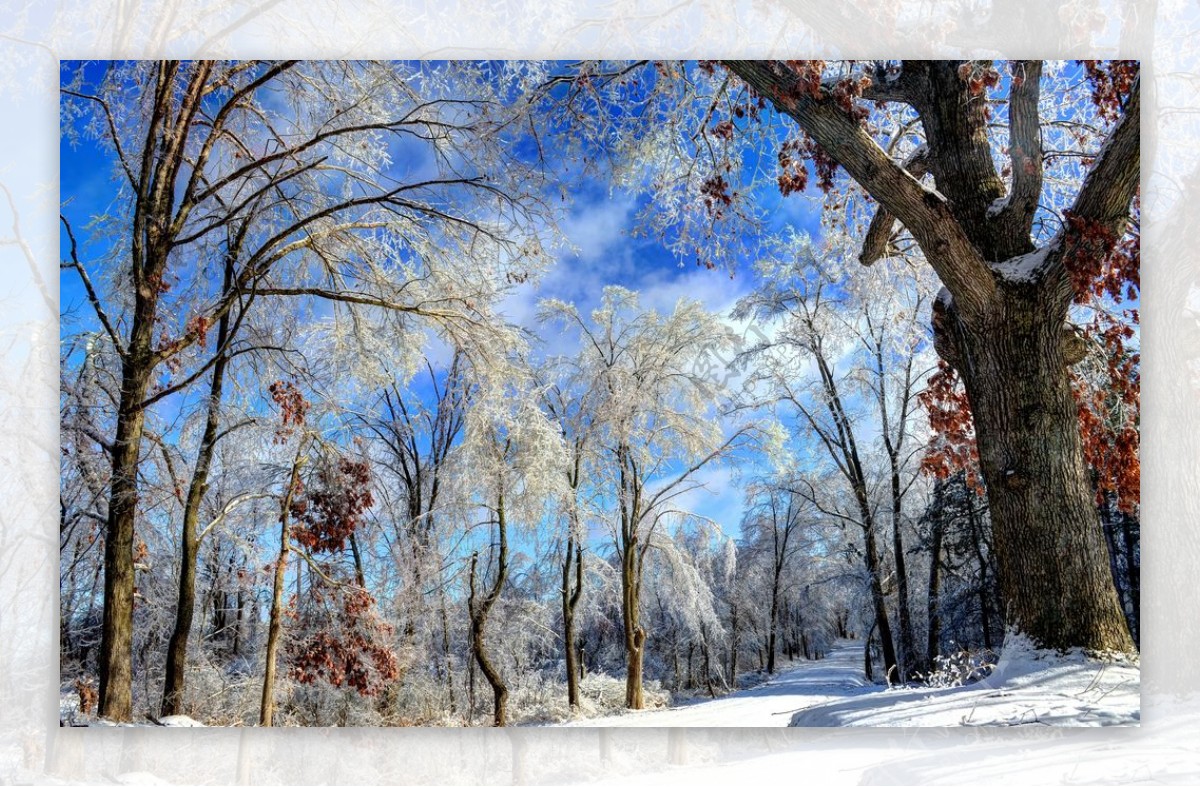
column 116, row 641
column 1014, row 365
column 635, row 635
column 908, row 648
column 150, row 246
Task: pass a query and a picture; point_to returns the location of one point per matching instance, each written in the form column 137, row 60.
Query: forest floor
column 1027, row 687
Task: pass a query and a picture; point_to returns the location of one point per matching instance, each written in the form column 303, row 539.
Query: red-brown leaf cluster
column 1108, row 392
column 1111, row 442
column 723, row 130
column 825, row 166
column 715, row 192
column 293, row 408
column 329, row 510
column 751, row 108
column 1110, row 81
column 197, row 328
column 808, row 73
column 158, row 283
column 952, row 443
column 346, row 643
column 168, row 346
column 793, row 172
column 847, row 91
column 978, row 76
column 1094, row 259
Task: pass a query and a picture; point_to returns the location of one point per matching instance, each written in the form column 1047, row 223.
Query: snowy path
column 771, row 704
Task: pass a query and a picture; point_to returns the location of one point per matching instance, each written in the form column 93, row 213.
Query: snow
column 769, row 704
column 179, row 721
column 1027, row 687
column 138, row 777
column 1024, row 268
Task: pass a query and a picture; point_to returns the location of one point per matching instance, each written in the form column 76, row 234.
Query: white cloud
column 717, row 497
column 595, row 227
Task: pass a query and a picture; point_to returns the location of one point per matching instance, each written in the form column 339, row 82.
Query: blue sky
column 598, row 224
column 603, row 246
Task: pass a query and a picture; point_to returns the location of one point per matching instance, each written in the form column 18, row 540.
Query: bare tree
column 773, row 523
column 570, row 407
column 285, row 165
column 653, row 403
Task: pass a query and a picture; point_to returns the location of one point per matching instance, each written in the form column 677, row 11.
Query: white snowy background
column 1164, row 749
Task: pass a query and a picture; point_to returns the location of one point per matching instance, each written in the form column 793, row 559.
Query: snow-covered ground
column 795, row 687
column 1028, row 687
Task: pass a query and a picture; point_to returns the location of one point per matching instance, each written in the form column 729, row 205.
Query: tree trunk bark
column 360, row 578
column 446, row 653
column 707, row 664
column 635, row 635
column 570, row 600
column 774, row 619
column 984, row 592
column 479, row 614
column 266, row 710
column 1133, row 570
column 148, row 251
column 1046, row 532
column 116, row 641
column 881, row 619
column 734, row 642
column 933, row 647
column 868, row 670
column 907, row 645
column 173, row 690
